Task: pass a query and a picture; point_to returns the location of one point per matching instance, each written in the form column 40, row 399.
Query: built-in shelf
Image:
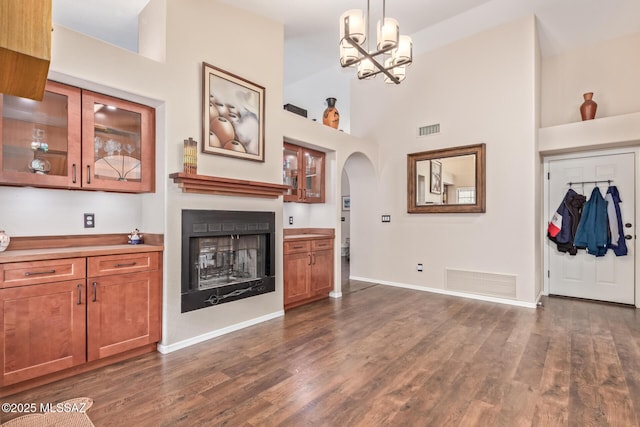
column 606, row 132
column 205, row 184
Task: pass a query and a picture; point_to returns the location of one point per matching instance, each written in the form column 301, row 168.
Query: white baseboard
column 447, row 292
column 164, row 349
column 334, row 294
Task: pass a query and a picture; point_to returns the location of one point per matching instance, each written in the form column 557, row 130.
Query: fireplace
column 226, row 256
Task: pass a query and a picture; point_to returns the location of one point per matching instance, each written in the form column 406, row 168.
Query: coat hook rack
column 608, row 181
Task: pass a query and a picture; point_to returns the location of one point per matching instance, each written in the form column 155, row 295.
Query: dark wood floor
column 383, row 356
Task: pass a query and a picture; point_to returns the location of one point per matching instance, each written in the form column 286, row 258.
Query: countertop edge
column 23, row 255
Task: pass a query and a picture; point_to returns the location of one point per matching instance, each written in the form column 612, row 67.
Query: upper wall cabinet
column 303, row 170
column 77, row 139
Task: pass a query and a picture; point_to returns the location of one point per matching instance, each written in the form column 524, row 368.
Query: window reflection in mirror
column 447, row 180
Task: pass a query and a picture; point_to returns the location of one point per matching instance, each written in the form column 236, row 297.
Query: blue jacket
column 620, row 248
column 593, row 229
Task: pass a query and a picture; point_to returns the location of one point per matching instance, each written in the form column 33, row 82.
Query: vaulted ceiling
column 311, row 27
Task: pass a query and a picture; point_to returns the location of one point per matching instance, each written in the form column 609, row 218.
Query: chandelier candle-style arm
column 395, row 50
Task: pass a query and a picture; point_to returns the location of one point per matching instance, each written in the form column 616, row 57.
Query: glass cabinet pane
column 290, row 170
column 116, row 143
column 35, row 137
column 313, row 175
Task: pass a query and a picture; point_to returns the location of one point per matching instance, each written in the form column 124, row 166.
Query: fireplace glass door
column 226, row 260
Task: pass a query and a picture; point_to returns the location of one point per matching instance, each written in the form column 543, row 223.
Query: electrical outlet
column 386, row 218
column 89, row 220
column 419, row 267
column 290, row 220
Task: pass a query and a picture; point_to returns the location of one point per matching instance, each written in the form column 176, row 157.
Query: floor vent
column 476, row 282
column 429, row 130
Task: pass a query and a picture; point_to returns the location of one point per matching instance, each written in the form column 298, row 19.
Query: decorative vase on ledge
column 588, row 107
column 331, row 117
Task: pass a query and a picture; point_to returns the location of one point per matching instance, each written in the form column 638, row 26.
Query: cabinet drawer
column 321, row 244
column 297, row 246
column 126, row 263
column 35, row 272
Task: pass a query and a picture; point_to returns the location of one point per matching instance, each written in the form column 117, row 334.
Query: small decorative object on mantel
column 190, row 156
column 135, row 238
column 331, row 116
column 4, row 240
column 588, row 107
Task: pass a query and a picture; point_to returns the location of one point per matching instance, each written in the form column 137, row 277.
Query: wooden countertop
column 308, row 233
column 73, row 252
column 58, row 247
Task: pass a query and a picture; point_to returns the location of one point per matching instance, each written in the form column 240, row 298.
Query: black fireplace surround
column 226, row 256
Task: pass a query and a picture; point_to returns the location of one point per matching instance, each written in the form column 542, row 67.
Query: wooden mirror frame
column 412, row 158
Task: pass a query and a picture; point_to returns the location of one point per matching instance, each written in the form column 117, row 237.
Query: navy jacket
column 621, row 248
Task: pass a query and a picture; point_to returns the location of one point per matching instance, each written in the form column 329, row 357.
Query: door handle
column 74, row 173
column 79, row 294
column 628, row 237
column 88, row 174
column 95, row 291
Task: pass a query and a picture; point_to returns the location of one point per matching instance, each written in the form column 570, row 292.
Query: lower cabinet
column 44, row 329
column 308, row 270
column 50, row 327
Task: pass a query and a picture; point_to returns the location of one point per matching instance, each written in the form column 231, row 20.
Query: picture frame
column 233, row 115
column 346, row 203
column 435, row 181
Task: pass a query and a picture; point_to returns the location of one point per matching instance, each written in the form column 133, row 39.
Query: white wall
column 608, row 69
column 480, row 89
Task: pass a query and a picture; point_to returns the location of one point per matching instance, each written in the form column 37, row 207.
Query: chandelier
column 393, row 54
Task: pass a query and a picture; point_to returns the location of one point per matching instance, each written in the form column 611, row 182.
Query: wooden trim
column 204, row 184
column 72, row 241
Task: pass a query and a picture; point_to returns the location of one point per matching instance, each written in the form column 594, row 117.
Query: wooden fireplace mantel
column 205, row 184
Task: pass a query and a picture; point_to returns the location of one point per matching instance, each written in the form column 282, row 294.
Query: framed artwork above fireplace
column 232, row 115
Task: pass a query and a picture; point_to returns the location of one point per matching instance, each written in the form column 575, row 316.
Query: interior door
column 607, row 278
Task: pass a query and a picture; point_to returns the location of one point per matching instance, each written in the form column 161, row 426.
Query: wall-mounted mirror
column 446, row 180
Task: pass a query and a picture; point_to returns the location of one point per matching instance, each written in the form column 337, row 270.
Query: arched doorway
column 359, row 211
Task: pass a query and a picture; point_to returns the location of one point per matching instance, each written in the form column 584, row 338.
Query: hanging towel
column 618, row 243
column 562, row 227
column 593, row 229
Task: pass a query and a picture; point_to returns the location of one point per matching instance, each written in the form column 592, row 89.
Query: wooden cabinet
column 123, row 309
column 308, row 267
column 304, row 170
column 42, row 329
column 77, row 139
column 59, row 315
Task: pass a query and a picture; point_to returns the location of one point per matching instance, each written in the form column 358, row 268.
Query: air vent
column 429, row 130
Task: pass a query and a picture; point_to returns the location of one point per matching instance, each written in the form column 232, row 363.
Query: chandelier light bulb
column 348, row 55
column 398, row 71
column 353, row 25
column 388, row 33
column 403, row 54
column 365, row 69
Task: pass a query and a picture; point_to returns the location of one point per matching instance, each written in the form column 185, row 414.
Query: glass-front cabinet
column 40, row 139
column 77, row 139
column 303, row 170
column 117, row 144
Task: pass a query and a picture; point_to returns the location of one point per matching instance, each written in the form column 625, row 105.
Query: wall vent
column 476, row 282
column 429, row 130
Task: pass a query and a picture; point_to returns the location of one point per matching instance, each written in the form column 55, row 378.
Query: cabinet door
column 290, row 168
column 296, row 277
column 118, row 144
column 313, row 168
column 123, row 312
column 41, row 140
column 321, row 272
column 42, row 329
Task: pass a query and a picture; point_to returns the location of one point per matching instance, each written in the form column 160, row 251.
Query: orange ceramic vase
column 331, row 117
column 588, row 107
